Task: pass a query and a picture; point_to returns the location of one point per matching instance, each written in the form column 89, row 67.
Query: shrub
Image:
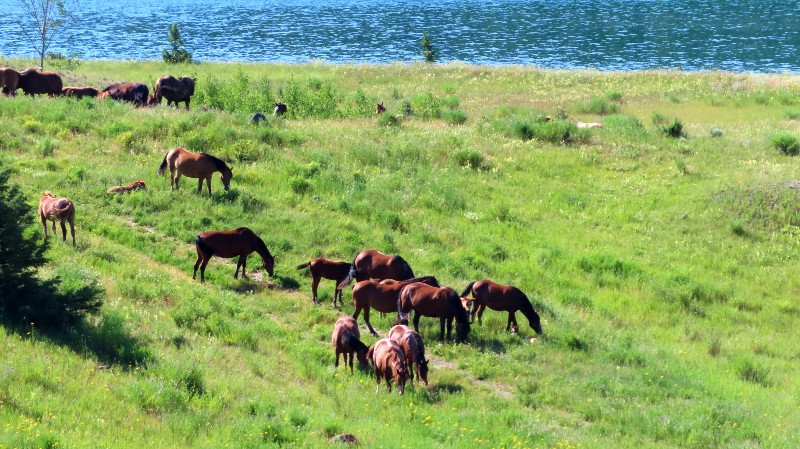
column 675, row 130
column 658, row 118
column 428, row 50
column 599, row 106
column 389, row 120
column 786, row 144
column 457, row 117
column 754, row 373
column 469, row 158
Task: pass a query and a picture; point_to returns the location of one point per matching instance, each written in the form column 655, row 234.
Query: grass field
column 664, row 268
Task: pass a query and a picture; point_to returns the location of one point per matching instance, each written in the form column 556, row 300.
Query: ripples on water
column 735, row 35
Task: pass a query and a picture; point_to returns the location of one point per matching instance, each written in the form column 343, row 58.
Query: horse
column 346, row 340
column 174, row 90
column 382, row 296
column 136, row 93
column 257, row 118
column 57, row 209
column 135, row 185
column 79, row 92
column 227, row 244
column 280, row 109
column 372, row 264
column 441, row 302
column 414, row 350
column 390, row 363
column 9, row 80
column 380, row 109
column 33, row 82
column 326, row 269
column 503, row 298
column 194, row 165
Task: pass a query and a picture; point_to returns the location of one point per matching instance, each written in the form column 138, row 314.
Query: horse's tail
column 304, row 265
column 163, row 165
column 61, row 211
column 370, row 351
column 203, row 246
column 350, row 275
column 467, row 290
column 402, row 318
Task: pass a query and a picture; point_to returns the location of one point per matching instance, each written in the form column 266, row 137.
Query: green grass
column 663, row 269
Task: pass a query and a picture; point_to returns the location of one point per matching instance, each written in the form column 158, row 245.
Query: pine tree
column 178, row 53
column 428, row 51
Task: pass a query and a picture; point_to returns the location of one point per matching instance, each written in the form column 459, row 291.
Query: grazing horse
column 346, row 340
column 9, row 80
column 194, row 165
column 327, row 269
column 174, row 90
column 382, row 296
column 280, row 109
column 390, row 363
column 33, row 82
column 414, row 350
column 503, row 298
column 380, row 109
column 372, row 264
column 79, row 92
column 136, row 93
column 135, row 185
column 226, row 244
column 57, row 209
column 441, row 302
column 257, row 118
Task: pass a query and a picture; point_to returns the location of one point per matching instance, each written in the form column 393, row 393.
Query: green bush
column 674, row 130
column 598, row 106
column 786, row 144
column 389, row 120
column 469, row 158
column 457, row 117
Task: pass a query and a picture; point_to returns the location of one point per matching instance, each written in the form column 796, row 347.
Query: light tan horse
column 57, row 209
column 414, row 350
column 194, row 165
column 135, row 185
column 390, row 363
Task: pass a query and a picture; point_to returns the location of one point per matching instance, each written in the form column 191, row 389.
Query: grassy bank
column 663, row 268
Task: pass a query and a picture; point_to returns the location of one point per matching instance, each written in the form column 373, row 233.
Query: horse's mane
column 458, row 310
column 352, row 342
column 219, row 163
column 261, row 247
column 47, row 194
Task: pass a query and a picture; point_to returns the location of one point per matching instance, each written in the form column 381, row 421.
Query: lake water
column 731, row 35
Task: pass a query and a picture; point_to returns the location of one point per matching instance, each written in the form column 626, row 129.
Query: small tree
column 41, row 21
column 428, row 51
column 178, row 53
column 23, row 297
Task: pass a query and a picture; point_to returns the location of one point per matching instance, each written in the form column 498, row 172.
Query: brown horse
column 9, row 80
column 382, row 296
column 57, row 209
column 503, row 298
column 33, row 82
column 79, row 92
column 372, row 264
column 280, row 109
column 390, row 363
column 414, row 350
column 380, row 109
column 226, row 244
column 443, row 303
column 174, row 90
column 194, row 165
column 327, row 269
column 135, row 93
column 346, row 340
column 135, row 185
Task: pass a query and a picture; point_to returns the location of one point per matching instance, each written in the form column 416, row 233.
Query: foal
column 135, row 185
column 327, row 269
column 346, row 340
column 414, row 350
column 390, row 363
column 57, row 209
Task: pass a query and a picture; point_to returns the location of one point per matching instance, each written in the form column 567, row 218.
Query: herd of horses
column 383, row 282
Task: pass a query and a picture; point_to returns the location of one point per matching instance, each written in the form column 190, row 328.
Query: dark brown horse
column 326, row 269
column 194, row 165
column 280, row 109
column 381, row 296
column 174, row 90
column 390, row 363
column 9, row 80
column 57, row 209
column 380, row 109
column 79, row 92
column 226, row 244
column 346, row 340
column 135, row 93
column 33, row 82
column 372, row 264
column 414, row 350
column 441, row 302
column 503, row 298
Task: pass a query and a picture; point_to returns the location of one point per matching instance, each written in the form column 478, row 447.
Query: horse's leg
column 481, row 308
column 63, row 231
column 177, row 180
column 244, row 266
column 203, row 269
column 44, row 225
column 416, row 321
column 72, row 229
column 208, row 184
column 336, row 365
column 358, row 310
column 197, row 264
column 366, row 319
column 171, row 178
column 238, row 264
column 352, row 356
column 199, row 185
column 314, row 285
column 512, row 319
column 378, row 374
column 441, row 329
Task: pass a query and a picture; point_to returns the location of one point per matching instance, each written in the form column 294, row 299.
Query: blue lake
column 731, row 35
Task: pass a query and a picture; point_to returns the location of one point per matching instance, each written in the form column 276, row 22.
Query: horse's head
column 462, row 331
column 400, row 376
column 225, row 176
column 466, row 303
column 268, row 263
column 423, row 371
column 380, row 109
column 362, row 356
column 189, row 83
column 535, row 323
column 280, row 109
